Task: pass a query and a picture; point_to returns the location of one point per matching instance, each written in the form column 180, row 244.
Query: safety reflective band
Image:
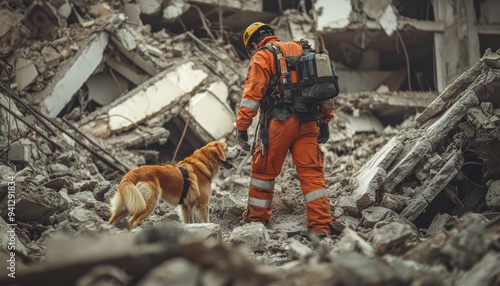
column 315, row 195
column 251, row 104
column 327, row 103
column 259, row 202
column 267, row 185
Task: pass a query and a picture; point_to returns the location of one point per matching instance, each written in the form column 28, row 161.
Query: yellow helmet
column 250, row 32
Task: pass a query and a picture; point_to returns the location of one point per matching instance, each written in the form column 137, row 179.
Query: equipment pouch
column 264, row 135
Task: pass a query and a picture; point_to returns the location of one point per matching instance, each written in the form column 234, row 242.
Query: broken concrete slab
column 128, row 71
column 434, row 186
column 64, row 85
column 134, row 57
column 214, row 99
column 400, row 169
column 151, row 97
column 26, row 73
column 138, row 138
column 370, row 177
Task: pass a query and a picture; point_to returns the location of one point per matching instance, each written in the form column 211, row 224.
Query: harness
column 185, row 186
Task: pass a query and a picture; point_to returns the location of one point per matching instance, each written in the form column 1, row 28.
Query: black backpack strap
column 274, row 80
column 185, row 187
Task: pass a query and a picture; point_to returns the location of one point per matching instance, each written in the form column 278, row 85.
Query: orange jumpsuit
column 292, row 135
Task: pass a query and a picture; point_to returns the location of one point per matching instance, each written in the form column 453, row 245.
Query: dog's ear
column 221, row 150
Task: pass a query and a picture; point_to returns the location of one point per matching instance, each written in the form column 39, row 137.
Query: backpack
column 309, row 76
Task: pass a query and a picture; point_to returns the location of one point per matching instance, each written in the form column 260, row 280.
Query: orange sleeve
column 258, row 76
column 326, row 107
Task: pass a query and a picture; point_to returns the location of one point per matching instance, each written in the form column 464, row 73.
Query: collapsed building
column 90, row 90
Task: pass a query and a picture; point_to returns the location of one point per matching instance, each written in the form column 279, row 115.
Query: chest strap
column 185, row 187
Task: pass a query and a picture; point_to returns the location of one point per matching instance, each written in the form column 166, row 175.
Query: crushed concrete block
column 80, row 214
column 253, row 236
column 174, row 10
column 493, row 195
column 202, row 232
column 20, row 152
column 177, row 271
column 38, row 205
column 372, row 215
column 350, row 241
column 64, row 194
column 100, row 10
column 298, row 250
column 387, row 236
column 26, row 73
column 126, row 38
column 133, row 12
column 393, row 202
column 51, row 57
column 58, row 169
column 64, row 10
column 348, row 204
column 83, row 196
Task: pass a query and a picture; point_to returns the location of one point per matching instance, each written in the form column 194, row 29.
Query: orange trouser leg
column 308, row 159
column 266, row 168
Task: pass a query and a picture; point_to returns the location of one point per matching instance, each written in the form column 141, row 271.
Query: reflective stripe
column 268, row 185
column 259, row 202
column 315, row 195
column 251, row 104
column 327, row 103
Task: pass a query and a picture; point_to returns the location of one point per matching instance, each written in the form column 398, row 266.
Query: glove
column 324, row 133
column 242, row 137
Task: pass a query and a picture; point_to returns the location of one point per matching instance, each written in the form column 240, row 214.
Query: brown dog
column 141, row 188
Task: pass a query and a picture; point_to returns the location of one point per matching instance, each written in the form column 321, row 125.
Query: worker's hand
column 242, row 137
column 324, row 133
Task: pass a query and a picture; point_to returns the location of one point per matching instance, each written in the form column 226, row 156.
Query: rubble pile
column 413, row 178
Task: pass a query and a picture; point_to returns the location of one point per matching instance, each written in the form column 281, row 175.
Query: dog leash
column 186, row 184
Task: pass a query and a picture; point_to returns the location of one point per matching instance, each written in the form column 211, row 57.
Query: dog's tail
column 132, row 197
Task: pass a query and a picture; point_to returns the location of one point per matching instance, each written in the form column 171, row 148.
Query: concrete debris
column 100, row 87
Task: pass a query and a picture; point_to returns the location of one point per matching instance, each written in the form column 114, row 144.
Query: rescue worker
column 288, row 130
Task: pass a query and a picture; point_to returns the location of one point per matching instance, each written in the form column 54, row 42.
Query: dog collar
column 186, row 184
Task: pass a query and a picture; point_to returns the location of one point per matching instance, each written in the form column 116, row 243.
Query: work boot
column 246, row 220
